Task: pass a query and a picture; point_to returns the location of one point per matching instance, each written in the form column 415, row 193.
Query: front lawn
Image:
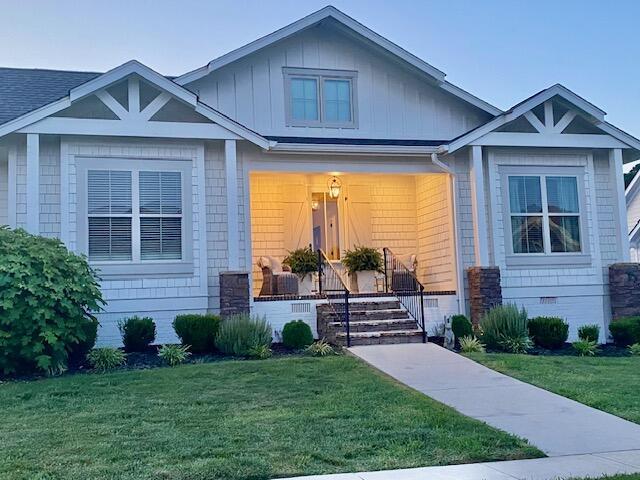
column 234, row 420
column 607, row 383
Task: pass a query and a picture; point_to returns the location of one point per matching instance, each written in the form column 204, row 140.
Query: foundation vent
column 301, row 307
column 431, row 303
column 548, row 300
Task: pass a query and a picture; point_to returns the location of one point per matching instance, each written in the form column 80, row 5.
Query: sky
column 500, row 50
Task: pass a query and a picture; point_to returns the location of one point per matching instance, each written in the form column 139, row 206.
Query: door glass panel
column 326, row 226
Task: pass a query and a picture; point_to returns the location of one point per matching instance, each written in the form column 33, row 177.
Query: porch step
column 382, row 338
column 375, row 325
column 370, row 323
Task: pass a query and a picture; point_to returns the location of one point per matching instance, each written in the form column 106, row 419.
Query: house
column 322, row 133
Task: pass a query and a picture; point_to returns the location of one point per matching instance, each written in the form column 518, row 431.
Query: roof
column 23, row 90
column 353, row 26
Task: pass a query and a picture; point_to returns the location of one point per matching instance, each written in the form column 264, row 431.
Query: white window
column 320, row 97
column 137, row 213
column 545, row 217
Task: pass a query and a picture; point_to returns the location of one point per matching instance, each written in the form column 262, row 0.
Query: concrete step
column 374, row 325
column 381, row 338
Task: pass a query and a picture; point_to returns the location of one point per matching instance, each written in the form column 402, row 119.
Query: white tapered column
column 231, row 181
column 33, row 183
column 479, row 208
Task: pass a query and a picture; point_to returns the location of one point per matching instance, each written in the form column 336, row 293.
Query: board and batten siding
column 574, row 292
column 391, row 102
column 4, row 191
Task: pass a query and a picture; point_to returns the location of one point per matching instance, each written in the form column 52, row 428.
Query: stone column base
column 485, row 291
column 624, row 289
column 235, row 293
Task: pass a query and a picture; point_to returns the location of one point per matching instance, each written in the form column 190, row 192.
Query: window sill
column 579, row 260
column 132, row 271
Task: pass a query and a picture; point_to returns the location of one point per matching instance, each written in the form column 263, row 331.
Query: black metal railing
column 402, row 282
column 332, row 287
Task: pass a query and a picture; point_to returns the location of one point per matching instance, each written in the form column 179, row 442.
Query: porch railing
column 403, row 283
column 332, row 287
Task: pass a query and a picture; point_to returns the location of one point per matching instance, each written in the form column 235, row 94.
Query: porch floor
column 279, row 298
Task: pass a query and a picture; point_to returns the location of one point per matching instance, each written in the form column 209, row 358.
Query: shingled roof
column 24, row 90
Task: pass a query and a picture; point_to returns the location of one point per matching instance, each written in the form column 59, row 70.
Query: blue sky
column 501, row 51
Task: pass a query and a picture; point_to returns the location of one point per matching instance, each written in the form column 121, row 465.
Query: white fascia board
column 34, row 116
column 632, row 190
column 338, row 149
column 302, row 24
column 233, row 126
column 129, row 68
column 633, row 234
column 472, row 99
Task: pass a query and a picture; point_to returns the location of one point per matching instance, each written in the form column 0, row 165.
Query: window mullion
column 135, row 222
column 545, row 215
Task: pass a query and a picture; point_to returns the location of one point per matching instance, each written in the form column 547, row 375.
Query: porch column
column 33, row 183
column 231, row 182
column 617, row 175
column 479, row 208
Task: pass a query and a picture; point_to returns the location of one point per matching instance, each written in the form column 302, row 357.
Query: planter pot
column 306, row 285
column 366, row 281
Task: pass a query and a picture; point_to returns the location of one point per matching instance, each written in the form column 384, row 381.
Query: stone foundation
column 624, row 289
column 485, row 291
column 234, row 293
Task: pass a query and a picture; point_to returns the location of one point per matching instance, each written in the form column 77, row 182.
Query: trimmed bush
column 505, row 328
column 589, row 332
column 240, row 335
column 174, row 355
column 137, row 333
column 47, row 299
column 625, row 331
column 296, row 335
column 461, row 326
column 197, row 331
column 548, row 332
column 104, row 359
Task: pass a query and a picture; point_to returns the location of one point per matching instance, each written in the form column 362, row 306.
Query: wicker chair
column 277, row 279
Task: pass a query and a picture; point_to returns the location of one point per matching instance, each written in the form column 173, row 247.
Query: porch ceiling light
column 334, row 185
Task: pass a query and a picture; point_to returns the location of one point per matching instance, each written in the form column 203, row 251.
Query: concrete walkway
column 552, row 468
column 556, row 425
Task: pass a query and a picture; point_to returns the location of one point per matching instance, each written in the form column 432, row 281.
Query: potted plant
column 364, row 263
column 303, row 262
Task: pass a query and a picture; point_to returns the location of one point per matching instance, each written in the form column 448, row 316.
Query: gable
column 393, row 101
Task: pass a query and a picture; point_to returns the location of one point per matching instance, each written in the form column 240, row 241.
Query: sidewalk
column 565, row 467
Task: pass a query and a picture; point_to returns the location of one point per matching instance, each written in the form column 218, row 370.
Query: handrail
column 403, row 283
column 332, row 287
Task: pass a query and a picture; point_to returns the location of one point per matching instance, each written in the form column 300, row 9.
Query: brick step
column 364, row 306
column 373, row 325
column 368, row 315
column 381, row 338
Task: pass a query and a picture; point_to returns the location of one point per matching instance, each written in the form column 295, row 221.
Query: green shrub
column 589, row 332
column 470, row 344
column 78, row 351
column 296, row 335
column 505, row 328
column 634, row 349
column 238, row 334
column 197, row 331
column 362, row 259
column 174, row 355
column 137, row 333
column 548, row 332
column 47, row 297
column 461, row 326
column 625, row 331
column 321, row 348
column 106, row 358
column 585, row 348
column 302, row 261
column 260, row 352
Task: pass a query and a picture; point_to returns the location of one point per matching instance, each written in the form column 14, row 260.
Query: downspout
column 456, row 240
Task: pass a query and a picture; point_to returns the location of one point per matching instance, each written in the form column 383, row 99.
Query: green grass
column 234, row 420
column 607, row 383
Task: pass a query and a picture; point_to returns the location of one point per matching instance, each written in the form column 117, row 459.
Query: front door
column 326, row 225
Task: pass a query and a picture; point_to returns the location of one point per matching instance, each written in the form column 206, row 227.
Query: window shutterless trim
column 548, row 258
column 137, row 268
column 320, row 75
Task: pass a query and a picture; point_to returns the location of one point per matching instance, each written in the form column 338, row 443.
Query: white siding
column 633, row 212
column 4, row 192
column 391, row 101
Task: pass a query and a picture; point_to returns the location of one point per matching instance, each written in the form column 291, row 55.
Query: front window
column 320, row 97
column 134, row 215
column 545, row 214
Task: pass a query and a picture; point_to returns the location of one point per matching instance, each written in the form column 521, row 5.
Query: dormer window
column 320, row 98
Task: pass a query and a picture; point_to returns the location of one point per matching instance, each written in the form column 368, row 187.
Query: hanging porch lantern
column 334, row 185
